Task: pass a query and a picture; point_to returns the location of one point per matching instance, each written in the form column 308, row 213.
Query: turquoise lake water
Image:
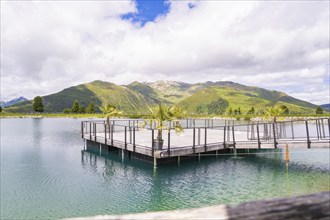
column 45, row 175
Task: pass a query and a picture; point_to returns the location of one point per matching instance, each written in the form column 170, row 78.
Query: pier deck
column 204, row 136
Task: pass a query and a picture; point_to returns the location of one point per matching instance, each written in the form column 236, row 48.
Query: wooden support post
column 259, row 143
column 274, row 134
column 125, row 137
column 194, row 134
column 155, row 162
column 100, row 148
column 169, row 142
column 307, row 133
column 133, row 139
column 205, row 138
column 248, row 132
column 234, row 143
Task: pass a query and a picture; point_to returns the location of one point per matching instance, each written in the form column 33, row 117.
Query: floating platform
column 202, row 136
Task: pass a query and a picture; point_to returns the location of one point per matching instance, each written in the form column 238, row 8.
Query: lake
column 45, row 174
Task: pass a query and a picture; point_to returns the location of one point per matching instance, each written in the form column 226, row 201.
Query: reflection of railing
column 216, row 132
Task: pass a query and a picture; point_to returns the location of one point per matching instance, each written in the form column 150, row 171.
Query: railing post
column 320, row 129
column 169, row 142
column 105, row 133
column 82, row 129
column 134, row 139
column 224, row 136
column 259, row 143
column 95, row 131
column 307, row 133
column 125, row 137
column 111, row 134
column 152, row 141
column 274, row 134
column 292, row 132
column 194, row 133
column 199, row 136
column 317, row 129
column 90, row 131
column 323, row 128
column 205, row 138
column 234, row 143
column 329, row 126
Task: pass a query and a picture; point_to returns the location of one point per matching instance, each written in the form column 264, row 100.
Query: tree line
column 80, row 109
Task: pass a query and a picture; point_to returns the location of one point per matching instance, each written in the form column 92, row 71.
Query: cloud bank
column 48, row 46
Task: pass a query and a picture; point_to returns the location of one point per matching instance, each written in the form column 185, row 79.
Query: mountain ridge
column 136, row 97
column 13, row 101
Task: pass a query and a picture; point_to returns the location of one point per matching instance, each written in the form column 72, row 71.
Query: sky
column 47, row 46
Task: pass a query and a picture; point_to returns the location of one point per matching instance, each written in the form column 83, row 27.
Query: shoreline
column 101, row 116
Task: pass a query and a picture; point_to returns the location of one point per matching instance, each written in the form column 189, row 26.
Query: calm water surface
column 45, row 175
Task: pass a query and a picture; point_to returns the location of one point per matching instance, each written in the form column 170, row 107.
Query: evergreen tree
column 38, row 106
column 82, row 109
column 0, row 109
column 230, row 111
column 90, row 108
column 251, row 111
column 239, row 110
column 75, row 107
column 319, row 110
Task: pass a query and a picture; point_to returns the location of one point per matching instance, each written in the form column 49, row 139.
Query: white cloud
column 47, row 46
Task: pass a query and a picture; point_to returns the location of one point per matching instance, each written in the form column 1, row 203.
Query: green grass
column 135, row 98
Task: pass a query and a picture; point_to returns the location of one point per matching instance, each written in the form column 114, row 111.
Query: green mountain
column 202, row 98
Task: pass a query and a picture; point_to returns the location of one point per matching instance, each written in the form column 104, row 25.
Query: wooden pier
column 202, row 136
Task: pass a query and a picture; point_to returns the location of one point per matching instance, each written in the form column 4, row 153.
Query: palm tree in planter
column 110, row 111
column 162, row 117
column 274, row 112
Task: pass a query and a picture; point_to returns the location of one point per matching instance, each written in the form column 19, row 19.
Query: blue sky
column 269, row 44
column 147, row 11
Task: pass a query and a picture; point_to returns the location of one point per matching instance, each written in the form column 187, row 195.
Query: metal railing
column 207, row 132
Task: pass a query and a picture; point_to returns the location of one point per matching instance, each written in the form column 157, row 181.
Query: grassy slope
column 121, row 97
column 238, row 98
column 101, row 93
column 135, row 97
column 150, row 96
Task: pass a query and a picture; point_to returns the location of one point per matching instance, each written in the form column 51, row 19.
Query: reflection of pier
column 203, row 136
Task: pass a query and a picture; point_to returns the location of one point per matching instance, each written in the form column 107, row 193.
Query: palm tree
column 162, row 117
column 273, row 112
column 110, row 111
